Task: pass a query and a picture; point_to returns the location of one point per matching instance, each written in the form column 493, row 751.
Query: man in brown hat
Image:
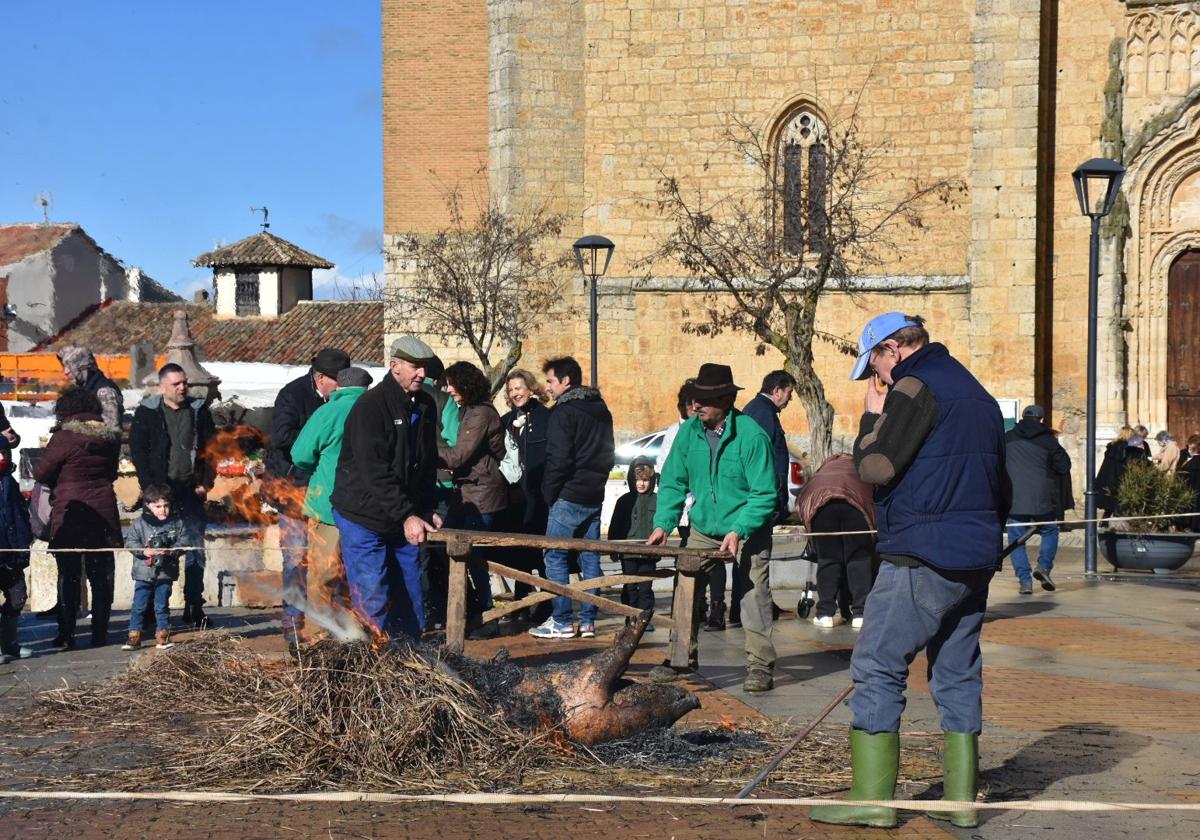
column 284, row 485
column 724, row 459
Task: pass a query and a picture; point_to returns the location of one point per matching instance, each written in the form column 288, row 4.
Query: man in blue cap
column 931, row 440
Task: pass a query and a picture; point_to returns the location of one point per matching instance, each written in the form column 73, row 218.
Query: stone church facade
column 581, row 105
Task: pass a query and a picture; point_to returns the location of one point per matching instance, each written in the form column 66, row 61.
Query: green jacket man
column 724, row 460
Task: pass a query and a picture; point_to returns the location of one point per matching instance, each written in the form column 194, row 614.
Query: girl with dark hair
column 474, row 464
column 79, row 465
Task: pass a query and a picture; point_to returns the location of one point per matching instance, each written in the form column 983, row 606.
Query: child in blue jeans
column 151, row 538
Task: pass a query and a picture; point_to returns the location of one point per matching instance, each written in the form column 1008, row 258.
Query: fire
column 728, row 723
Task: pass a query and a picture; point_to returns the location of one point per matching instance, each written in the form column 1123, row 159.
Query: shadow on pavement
column 1020, row 609
column 1064, row 752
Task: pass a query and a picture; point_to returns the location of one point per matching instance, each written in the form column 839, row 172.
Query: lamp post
column 1097, row 183
column 587, row 256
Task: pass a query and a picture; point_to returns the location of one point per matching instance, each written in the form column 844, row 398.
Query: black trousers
column 846, row 561
column 14, row 590
column 99, row 567
column 638, row 595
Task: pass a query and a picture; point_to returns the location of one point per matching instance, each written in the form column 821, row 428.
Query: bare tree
column 486, row 280
column 764, row 255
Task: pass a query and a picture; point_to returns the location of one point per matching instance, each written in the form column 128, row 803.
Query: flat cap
column 353, row 377
column 412, row 349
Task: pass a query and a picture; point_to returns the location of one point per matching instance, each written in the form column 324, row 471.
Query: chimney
column 181, row 349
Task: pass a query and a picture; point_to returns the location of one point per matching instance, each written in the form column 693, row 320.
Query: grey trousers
column 752, row 571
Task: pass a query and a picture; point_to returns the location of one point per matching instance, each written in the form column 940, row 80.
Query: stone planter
column 1147, row 552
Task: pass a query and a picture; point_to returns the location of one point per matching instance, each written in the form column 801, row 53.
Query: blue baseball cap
column 876, row 330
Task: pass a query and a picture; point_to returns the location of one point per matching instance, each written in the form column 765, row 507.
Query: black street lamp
column 587, row 255
column 1097, row 183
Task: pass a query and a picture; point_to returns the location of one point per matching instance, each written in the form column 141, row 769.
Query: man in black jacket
column 579, row 456
column 383, row 495
column 1036, row 464
column 284, row 485
column 167, row 440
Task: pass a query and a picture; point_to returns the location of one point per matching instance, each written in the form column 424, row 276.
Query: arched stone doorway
column 1183, row 345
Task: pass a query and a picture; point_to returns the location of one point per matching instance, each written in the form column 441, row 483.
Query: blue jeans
column 915, row 608
column 481, row 579
column 568, row 519
column 142, row 592
column 293, row 542
column 384, row 575
column 1049, row 546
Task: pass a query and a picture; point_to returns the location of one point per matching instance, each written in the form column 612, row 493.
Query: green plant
column 1146, row 491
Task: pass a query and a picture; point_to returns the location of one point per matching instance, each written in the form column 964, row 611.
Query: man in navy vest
column 931, row 440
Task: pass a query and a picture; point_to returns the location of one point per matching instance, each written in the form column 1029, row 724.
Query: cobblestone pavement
column 1091, row 692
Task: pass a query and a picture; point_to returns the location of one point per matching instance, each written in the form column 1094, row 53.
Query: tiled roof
column 262, row 249
column 292, row 339
column 23, row 240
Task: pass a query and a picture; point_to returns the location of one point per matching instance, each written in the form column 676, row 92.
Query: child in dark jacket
column 14, row 534
column 152, row 538
column 633, row 519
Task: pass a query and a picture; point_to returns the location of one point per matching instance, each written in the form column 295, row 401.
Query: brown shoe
column 162, row 640
column 134, row 641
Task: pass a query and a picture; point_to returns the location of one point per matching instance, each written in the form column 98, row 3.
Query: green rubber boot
column 960, row 767
column 876, row 763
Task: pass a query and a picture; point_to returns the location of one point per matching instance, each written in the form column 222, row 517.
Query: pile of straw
column 215, row 715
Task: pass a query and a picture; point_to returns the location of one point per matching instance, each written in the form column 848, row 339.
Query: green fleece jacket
column 735, row 491
column 317, row 448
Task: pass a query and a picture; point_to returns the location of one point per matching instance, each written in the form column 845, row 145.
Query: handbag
column 39, row 511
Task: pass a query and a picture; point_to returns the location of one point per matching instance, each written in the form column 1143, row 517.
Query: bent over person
column 934, row 449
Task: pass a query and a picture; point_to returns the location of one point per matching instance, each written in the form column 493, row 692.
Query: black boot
column 716, row 616
column 199, row 619
column 50, row 613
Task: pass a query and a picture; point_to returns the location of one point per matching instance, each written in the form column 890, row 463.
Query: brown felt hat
column 713, row 381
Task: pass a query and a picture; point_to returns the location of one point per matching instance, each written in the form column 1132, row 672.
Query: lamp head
column 1097, row 184
column 587, row 255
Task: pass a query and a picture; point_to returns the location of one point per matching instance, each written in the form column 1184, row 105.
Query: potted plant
column 1159, row 545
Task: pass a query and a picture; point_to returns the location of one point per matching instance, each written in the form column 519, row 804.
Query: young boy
column 14, row 534
column 151, row 538
column 633, row 519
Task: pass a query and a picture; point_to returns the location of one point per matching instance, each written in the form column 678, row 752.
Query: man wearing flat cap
column 284, row 485
column 931, row 440
column 383, row 494
column 724, row 459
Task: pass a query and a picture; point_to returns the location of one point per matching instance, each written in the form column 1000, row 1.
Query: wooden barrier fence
column 688, row 563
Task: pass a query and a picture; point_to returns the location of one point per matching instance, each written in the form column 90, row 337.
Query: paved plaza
column 1092, row 692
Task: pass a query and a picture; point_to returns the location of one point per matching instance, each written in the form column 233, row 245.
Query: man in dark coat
column 579, row 456
column 774, row 396
column 934, row 449
column 1036, row 464
column 284, row 485
column 383, row 494
column 167, row 442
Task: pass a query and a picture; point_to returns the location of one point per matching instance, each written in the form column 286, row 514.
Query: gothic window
column 246, row 293
column 1162, row 50
column 802, row 155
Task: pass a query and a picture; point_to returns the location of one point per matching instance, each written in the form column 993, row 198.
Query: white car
column 651, row 446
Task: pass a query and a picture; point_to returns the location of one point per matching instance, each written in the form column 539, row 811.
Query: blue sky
column 157, row 125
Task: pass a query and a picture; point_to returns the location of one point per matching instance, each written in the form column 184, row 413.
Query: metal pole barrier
column 1089, row 496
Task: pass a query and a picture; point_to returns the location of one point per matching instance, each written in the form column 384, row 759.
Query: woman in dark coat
column 79, row 465
column 481, row 492
column 1126, row 448
column 526, row 423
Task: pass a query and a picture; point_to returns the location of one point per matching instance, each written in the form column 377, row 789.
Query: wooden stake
column 456, row 596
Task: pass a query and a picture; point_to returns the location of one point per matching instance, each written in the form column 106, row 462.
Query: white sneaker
column 551, row 629
column 856, row 622
column 827, row 621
